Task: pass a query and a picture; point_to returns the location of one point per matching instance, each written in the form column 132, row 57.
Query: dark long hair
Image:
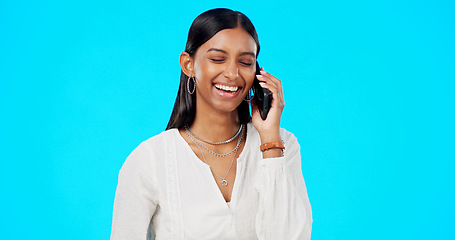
column 204, row 27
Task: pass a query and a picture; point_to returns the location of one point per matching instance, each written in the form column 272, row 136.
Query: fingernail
column 259, row 76
column 262, row 83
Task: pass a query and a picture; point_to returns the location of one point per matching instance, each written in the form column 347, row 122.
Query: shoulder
column 157, row 141
column 144, row 155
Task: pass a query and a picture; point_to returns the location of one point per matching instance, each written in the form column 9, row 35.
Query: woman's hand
column 269, row 129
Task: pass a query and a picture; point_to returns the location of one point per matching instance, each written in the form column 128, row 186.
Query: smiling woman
column 223, row 69
column 216, row 172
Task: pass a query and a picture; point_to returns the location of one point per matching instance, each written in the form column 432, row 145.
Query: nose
column 232, row 71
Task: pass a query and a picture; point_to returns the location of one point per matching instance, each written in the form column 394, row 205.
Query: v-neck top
column 165, row 191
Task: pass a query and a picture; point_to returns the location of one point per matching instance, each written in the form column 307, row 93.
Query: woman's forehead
column 231, row 40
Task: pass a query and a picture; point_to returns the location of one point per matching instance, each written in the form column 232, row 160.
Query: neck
column 215, row 126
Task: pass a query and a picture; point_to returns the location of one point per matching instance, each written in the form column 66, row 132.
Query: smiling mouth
column 227, row 89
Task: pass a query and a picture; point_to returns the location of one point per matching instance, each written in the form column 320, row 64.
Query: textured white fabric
column 163, row 182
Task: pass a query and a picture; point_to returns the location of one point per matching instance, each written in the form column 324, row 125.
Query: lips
column 226, row 91
column 226, row 88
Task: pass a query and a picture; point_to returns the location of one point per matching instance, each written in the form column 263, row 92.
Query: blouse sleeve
column 136, row 197
column 284, row 210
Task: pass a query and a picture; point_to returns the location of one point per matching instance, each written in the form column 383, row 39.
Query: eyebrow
column 221, row 50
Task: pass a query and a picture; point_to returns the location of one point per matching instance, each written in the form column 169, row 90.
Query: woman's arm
column 136, row 197
column 284, row 210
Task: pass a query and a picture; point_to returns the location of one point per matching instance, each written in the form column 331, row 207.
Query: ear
column 187, row 64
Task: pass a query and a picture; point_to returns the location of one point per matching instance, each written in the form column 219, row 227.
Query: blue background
column 369, row 89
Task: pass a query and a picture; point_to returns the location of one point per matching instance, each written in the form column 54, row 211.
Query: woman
column 206, row 177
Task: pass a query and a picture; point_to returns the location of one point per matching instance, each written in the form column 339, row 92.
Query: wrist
column 270, row 137
column 273, row 153
column 272, row 145
column 272, row 149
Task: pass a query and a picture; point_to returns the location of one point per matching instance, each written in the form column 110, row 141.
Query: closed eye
column 217, row 60
column 246, row 64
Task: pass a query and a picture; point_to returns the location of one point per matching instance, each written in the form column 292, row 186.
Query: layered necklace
column 215, row 143
column 199, row 144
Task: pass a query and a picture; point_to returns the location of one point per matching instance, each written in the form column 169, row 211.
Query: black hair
column 204, row 27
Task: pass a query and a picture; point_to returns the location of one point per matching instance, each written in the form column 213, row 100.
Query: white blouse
column 166, row 192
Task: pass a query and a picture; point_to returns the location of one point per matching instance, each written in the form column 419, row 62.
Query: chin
column 227, row 106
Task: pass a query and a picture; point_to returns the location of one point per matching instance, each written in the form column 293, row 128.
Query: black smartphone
column 262, row 96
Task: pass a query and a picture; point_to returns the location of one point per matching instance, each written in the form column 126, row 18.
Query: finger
column 276, row 81
column 266, row 80
column 270, row 86
column 276, row 99
column 271, row 77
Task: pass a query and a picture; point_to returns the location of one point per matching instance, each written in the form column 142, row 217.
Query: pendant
column 224, row 183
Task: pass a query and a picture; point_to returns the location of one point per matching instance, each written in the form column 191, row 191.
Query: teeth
column 226, row 88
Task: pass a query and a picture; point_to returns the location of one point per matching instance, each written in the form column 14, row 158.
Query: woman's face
column 224, row 68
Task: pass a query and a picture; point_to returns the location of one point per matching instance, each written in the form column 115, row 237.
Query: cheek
column 205, row 71
column 249, row 79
